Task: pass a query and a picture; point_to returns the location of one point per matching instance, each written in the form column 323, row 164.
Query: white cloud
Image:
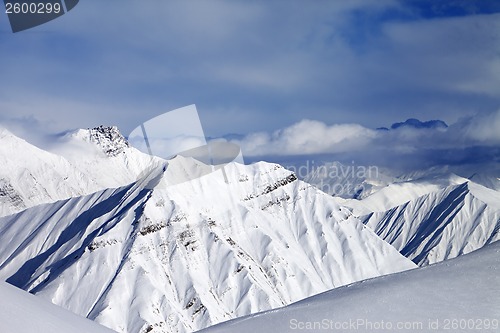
column 311, row 137
column 308, row 137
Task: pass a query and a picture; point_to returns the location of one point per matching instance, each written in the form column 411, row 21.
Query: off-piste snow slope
column 80, row 162
column 21, row 312
column 30, row 176
column 431, row 219
column 458, row 295
column 151, row 257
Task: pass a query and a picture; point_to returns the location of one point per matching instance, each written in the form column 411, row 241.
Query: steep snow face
column 459, row 295
column 81, row 163
column 158, row 257
column 21, row 312
column 440, row 225
column 30, row 176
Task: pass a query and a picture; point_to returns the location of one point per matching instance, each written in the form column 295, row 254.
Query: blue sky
column 254, row 66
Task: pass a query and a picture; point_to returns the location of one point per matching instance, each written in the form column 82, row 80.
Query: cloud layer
column 471, row 140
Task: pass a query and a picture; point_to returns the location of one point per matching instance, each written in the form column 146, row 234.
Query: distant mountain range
column 415, row 123
column 142, row 244
column 428, row 215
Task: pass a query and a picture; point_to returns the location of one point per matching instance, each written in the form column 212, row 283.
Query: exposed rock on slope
column 151, row 257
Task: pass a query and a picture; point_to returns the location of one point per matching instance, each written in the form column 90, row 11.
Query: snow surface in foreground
column 458, row 295
column 21, row 312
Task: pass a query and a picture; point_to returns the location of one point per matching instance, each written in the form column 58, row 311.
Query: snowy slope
column 491, row 180
column 442, row 224
column 21, row 312
column 82, row 162
column 30, row 176
column 157, row 257
column 459, row 295
column 103, row 154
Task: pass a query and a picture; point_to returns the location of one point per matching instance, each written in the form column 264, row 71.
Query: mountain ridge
column 206, row 244
column 204, row 250
column 442, row 224
column 78, row 163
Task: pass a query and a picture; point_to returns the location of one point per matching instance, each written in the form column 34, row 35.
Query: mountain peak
column 415, row 123
column 107, row 138
column 5, row 134
column 3, row 131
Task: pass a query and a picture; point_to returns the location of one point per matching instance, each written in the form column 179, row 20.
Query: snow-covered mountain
column 157, row 257
column 404, row 189
column 104, row 155
column 21, row 312
column 441, row 225
column 30, row 176
column 141, row 244
column 459, row 295
column 81, row 162
column 432, row 218
column 487, row 180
